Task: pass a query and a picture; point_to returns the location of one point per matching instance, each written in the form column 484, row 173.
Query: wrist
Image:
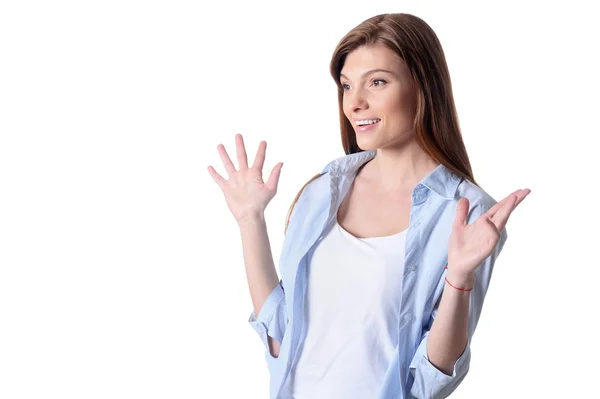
column 460, row 280
column 251, row 219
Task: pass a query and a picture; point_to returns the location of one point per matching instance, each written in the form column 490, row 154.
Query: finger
column 492, row 211
column 520, row 195
column 217, row 177
column 501, row 217
column 241, row 152
column 229, row 167
column 493, row 227
column 274, row 177
column 259, row 160
column 524, row 193
column 462, row 208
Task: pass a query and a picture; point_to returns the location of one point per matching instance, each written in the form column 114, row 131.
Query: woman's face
column 378, row 86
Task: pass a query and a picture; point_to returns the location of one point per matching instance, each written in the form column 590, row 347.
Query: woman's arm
column 260, row 268
column 448, row 334
column 247, row 197
column 468, row 246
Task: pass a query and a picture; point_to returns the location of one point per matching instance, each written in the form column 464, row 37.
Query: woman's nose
column 357, row 101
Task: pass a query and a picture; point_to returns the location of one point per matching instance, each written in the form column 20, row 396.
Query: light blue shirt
column 410, row 374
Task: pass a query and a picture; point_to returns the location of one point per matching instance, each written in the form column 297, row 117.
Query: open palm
column 245, row 191
column 469, row 245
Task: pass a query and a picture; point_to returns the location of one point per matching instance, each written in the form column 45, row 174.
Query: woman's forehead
column 368, row 58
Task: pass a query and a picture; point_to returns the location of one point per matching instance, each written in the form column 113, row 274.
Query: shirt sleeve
column 272, row 318
column 429, row 382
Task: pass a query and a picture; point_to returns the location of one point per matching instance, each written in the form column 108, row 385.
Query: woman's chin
column 366, row 145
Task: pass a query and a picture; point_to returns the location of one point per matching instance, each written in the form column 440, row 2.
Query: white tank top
column 351, row 315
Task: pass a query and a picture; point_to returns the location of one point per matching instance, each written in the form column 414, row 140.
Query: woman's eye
column 347, row 87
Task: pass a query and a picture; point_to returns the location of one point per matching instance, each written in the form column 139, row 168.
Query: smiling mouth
column 366, row 127
column 368, row 124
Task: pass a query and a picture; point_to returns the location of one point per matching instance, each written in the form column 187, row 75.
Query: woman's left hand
column 469, row 245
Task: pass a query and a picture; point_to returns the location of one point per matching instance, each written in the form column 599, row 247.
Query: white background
column 121, row 269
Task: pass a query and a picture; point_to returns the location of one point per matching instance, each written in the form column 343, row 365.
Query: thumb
column 274, row 177
column 462, row 208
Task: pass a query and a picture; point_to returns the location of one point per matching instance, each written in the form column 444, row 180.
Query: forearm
column 260, row 268
column 447, row 338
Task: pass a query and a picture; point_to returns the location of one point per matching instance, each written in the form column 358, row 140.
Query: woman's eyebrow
column 369, row 72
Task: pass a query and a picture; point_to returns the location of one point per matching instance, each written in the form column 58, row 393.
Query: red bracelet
column 461, row 289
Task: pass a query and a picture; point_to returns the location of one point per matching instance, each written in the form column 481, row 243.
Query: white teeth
column 367, row 122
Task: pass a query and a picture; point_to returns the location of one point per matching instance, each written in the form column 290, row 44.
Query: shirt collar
column 440, row 180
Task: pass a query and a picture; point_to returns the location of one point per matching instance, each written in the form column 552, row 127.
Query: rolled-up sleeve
column 429, row 382
column 272, row 318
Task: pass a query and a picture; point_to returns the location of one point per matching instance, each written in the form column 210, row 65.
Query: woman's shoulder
column 319, row 182
column 475, row 194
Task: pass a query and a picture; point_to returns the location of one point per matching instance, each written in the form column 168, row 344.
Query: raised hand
column 245, row 192
column 469, row 245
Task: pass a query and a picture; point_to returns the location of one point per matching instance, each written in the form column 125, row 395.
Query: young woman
column 388, row 251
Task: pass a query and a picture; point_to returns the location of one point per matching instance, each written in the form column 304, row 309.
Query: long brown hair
column 436, row 124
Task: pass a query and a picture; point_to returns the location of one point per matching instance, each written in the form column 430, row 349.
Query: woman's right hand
column 245, row 192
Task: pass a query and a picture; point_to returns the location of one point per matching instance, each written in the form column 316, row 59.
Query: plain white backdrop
column 121, row 268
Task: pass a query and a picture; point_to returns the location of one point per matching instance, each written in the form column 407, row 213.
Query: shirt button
column 407, row 317
column 412, row 268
